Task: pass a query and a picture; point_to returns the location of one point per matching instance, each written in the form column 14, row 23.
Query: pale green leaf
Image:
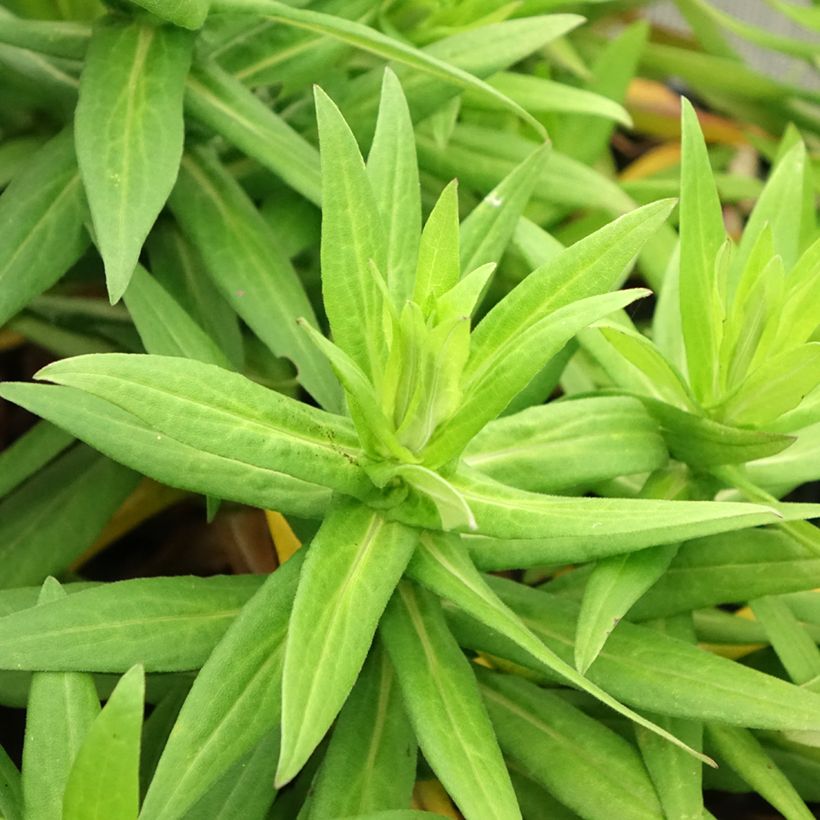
column 223, row 413
column 248, row 266
column 444, row 706
column 234, row 702
column 701, row 236
column 585, row 765
column 370, row 762
column 61, row 707
column 353, row 239
column 54, row 517
column 740, row 750
column 225, row 105
column 164, row 326
column 369, row 39
column 127, row 439
column 29, row 453
column 569, row 444
column 353, row 565
column 104, row 780
column 42, row 212
column 167, row 624
column 394, row 177
column 129, row 134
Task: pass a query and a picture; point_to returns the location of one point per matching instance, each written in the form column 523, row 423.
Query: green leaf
column 245, row 790
column 701, row 236
column 444, row 706
column 373, row 426
column 728, row 568
column 704, row 442
column 166, row 624
column 352, row 240
column 164, row 326
column 587, row 766
column 104, row 780
column 486, row 232
column 370, row 763
column 42, row 211
column 11, row 793
column 649, row 670
column 586, row 137
column 180, row 270
column 186, row 13
column 127, row 439
column 368, row 39
column 444, row 566
column 392, row 168
column 780, row 206
column 29, row 453
column 224, row 104
column 795, row 648
column 777, row 386
column 56, row 515
column 247, row 265
column 61, row 707
column 575, row 529
column 489, row 387
column 539, row 95
column 57, row 38
column 222, row 413
column 741, row 751
column 614, row 586
column 129, row 134
column 354, row 563
column 566, row 445
column 234, row 702
column 438, row 261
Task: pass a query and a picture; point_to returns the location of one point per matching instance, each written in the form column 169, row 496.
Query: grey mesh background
column 754, row 11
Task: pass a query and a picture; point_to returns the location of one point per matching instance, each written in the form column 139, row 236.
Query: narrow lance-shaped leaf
column 187, row 13
column 42, row 213
column 104, row 780
column 442, row 564
column 61, row 707
column 486, row 232
column 169, row 624
column 650, row 670
column 444, row 706
column 617, row 582
column 353, row 565
column 701, row 236
column 393, row 171
column 744, row 753
column 352, row 240
column 438, row 263
column 134, row 443
column 224, row 104
column 221, row 412
column 164, row 326
column 563, row 445
column 56, row 515
column 553, row 529
column 11, row 792
column 370, row 763
column 29, row 453
column 235, row 700
column 368, row 39
column 129, row 133
column 678, row 777
column 489, row 390
column 246, row 263
column 586, row 765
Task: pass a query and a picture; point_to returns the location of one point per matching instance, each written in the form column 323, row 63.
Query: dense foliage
column 518, row 352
